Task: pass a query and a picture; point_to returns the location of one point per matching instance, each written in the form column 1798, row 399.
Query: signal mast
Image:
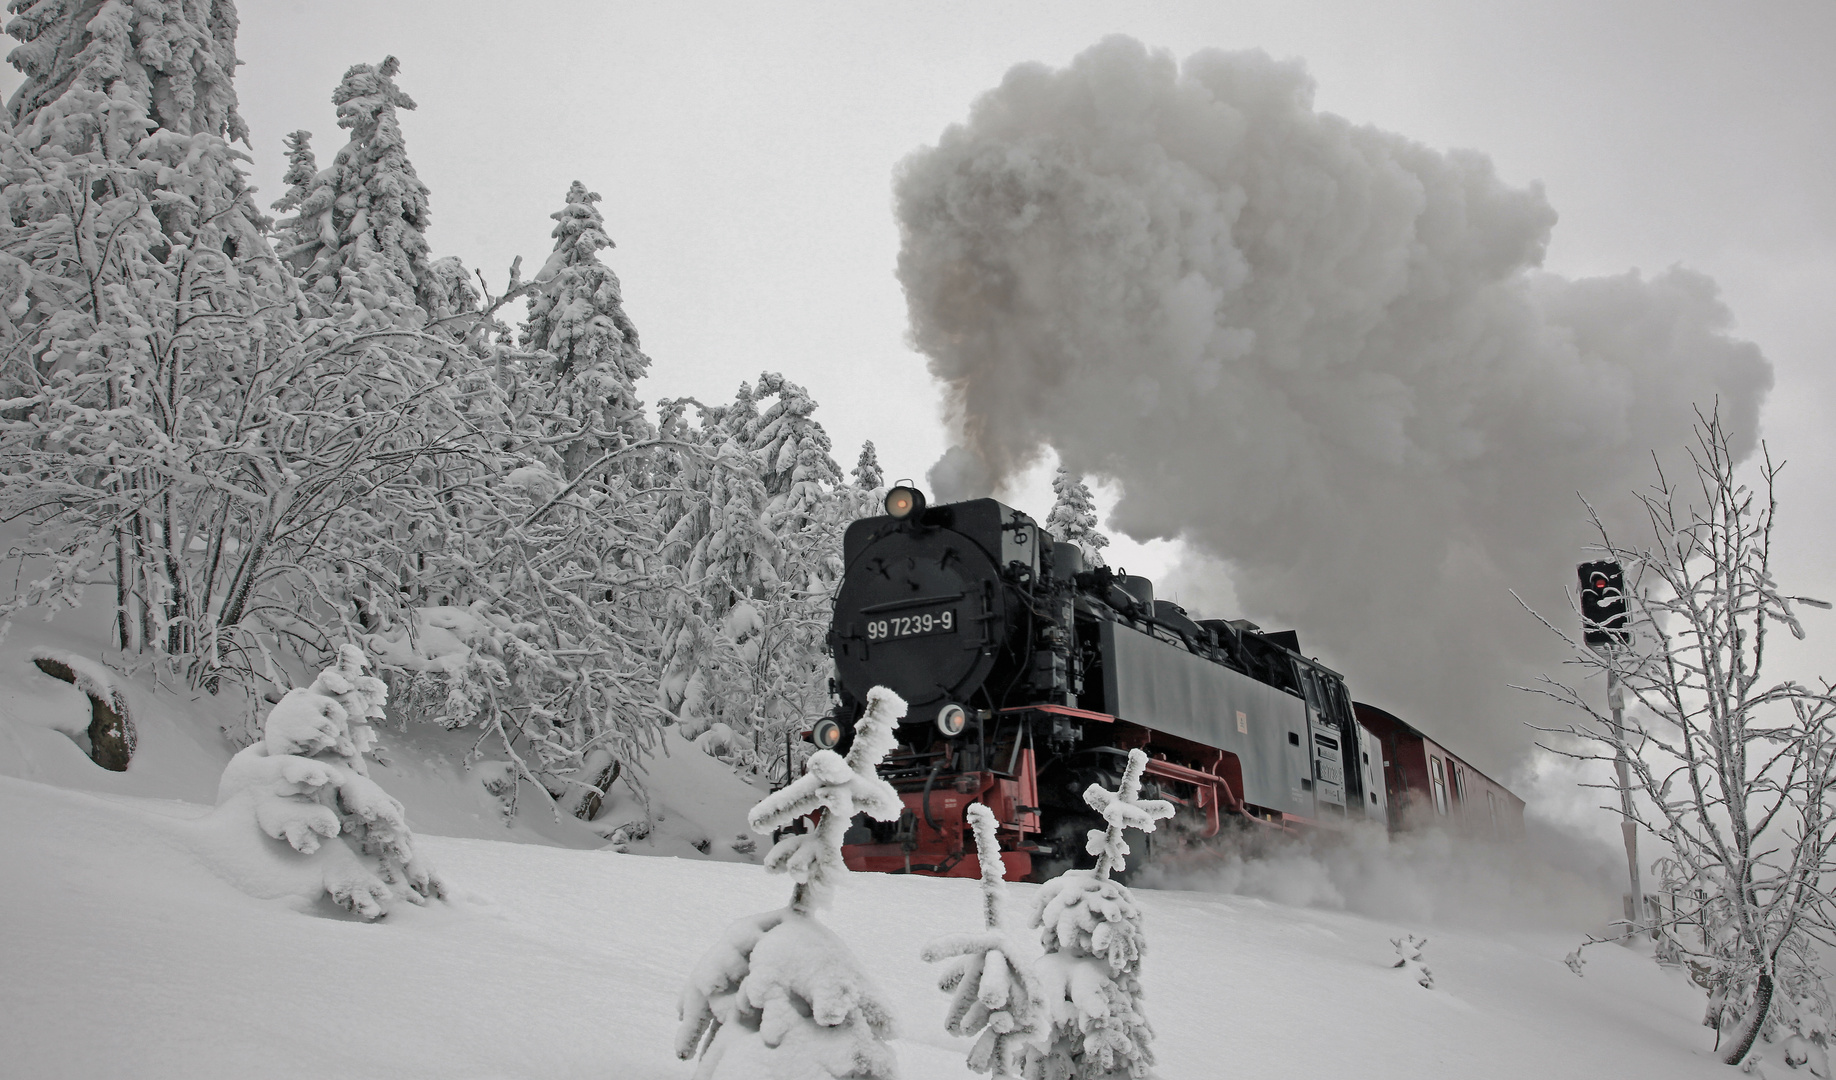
column 1604, row 623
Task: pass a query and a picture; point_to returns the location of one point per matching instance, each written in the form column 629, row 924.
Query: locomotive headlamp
column 826, row 734
column 952, row 719
column 904, row 502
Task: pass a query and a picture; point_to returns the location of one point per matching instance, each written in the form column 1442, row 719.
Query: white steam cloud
column 1322, row 354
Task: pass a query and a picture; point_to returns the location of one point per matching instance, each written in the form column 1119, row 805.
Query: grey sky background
column 746, row 154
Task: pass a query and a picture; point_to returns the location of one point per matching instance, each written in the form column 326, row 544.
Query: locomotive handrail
column 894, row 605
column 1200, row 779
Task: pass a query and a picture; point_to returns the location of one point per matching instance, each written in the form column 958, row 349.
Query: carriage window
column 1437, row 778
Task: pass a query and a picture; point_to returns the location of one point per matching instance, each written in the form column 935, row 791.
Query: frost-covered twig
column 831, row 792
column 993, row 992
column 1409, row 958
column 781, row 995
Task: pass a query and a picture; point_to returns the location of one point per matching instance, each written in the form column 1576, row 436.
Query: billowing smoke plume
column 1322, row 354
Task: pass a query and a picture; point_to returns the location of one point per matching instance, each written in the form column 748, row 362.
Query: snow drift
column 1322, row 354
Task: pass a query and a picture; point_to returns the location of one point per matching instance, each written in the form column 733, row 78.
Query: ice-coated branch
column 781, row 995
column 993, row 992
column 1122, row 809
column 988, row 859
column 1733, row 773
column 838, row 788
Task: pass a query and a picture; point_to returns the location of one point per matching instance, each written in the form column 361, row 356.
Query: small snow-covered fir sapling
column 780, row 995
column 1091, row 928
column 1409, row 958
column 306, row 783
column 992, row 990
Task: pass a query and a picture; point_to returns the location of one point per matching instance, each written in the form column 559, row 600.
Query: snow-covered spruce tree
column 577, row 316
column 358, row 234
column 807, row 507
column 993, row 992
column 300, row 237
column 174, row 60
column 781, row 995
column 1736, row 775
column 1090, row 975
column 866, row 472
column 793, row 454
column 306, row 784
column 755, row 533
column 719, row 537
column 1073, row 518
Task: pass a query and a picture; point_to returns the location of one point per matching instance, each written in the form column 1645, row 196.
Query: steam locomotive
column 1029, row 675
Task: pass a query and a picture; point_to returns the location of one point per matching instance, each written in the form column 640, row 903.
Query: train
column 1029, row 674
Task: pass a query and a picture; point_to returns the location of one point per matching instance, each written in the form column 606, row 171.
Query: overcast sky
column 746, row 153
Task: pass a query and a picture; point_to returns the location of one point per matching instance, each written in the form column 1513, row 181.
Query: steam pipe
column 928, row 781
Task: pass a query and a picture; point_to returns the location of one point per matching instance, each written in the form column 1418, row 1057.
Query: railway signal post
column 1604, row 618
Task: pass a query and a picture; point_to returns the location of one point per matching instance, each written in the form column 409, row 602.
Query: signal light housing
column 904, row 503
column 1604, row 613
column 827, row 733
column 952, row 719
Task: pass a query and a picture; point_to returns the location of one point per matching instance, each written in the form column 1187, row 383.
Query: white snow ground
column 125, row 949
column 126, row 955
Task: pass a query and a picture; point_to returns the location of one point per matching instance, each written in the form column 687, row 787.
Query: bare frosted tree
column 1736, row 775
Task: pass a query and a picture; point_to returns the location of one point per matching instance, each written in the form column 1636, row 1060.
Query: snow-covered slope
column 696, row 801
column 131, row 943
column 126, row 954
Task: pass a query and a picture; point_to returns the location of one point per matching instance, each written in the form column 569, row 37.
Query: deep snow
column 126, row 955
column 133, row 941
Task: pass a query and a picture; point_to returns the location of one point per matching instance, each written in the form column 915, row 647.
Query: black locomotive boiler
column 1029, row 676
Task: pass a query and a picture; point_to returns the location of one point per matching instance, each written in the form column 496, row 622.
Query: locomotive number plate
column 915, row 624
